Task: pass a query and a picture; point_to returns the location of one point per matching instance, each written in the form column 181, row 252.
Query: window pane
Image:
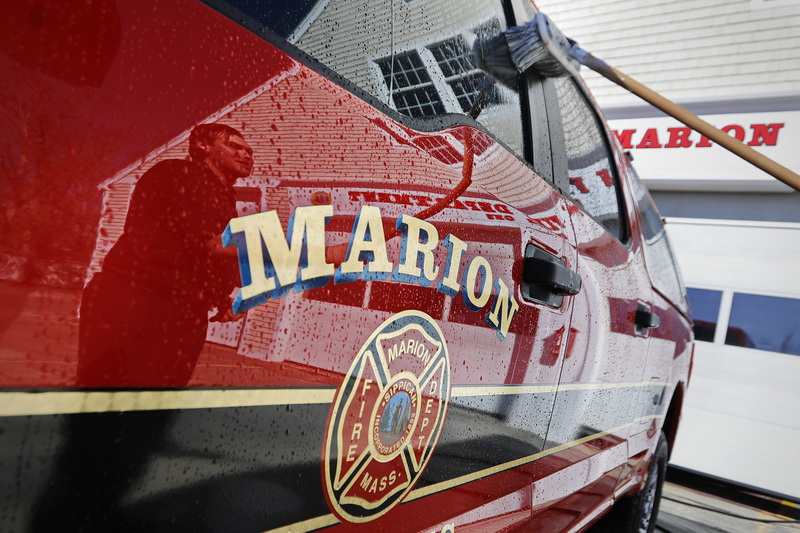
column 705, row 310
column 281, row 16
column 453, row 56
column 407, row 71
column 467, row 89
column 765, row 323
column 419, row 102
column 592, row 176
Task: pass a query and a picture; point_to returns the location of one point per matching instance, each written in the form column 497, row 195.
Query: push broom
column 540, row 45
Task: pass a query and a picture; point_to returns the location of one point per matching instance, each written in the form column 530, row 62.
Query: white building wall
column 740, row 419
column 689, row 50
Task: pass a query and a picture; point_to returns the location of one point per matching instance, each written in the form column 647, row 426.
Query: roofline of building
column 138, row 163
column 752, row 104
column 732, row 223
column 772, row 186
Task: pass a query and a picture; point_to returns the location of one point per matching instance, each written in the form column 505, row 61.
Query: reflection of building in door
column 285, row 175
column 288, row 173
column 414, row 56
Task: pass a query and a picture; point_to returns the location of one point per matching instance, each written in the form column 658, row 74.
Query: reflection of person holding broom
column 143, row 324
column 144, row 317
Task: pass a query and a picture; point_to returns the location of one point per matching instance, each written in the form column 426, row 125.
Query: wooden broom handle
column 685, row 116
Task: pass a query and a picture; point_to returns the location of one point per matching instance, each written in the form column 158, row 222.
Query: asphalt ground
column 688, row 510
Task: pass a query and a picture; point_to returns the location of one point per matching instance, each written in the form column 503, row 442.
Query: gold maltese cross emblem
column 386, row 417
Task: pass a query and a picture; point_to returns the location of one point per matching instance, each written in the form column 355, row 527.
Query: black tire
column 638, row 513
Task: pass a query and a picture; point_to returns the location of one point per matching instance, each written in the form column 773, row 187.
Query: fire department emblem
column 387, row 417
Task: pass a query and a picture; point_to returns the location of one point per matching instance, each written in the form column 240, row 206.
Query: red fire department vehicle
column 299, row 266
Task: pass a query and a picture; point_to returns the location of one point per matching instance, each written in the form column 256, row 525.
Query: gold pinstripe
column 13, row 403
column 329, row 520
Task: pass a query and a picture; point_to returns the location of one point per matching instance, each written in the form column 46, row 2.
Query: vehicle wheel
column 638, row 513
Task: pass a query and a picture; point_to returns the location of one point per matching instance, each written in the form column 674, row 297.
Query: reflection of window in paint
column 705, row 310
column 412, row 89
column 765, row 323
column 592, row 176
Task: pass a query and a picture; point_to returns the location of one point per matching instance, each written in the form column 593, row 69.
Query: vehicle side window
column 705, row 312
column 413, row 56
column 764, row 323
column 661, row 263
column 592, row 173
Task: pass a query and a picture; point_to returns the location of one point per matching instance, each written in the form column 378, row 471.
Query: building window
column 765, row 323
column 454, row 58
column 412, row 90
column 437, row 76
column 705, row 311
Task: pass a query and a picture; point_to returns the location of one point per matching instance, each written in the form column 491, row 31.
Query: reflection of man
column 144, row 317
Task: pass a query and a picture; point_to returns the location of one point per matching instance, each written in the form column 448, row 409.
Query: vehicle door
column 670, row 347
column 607, row 349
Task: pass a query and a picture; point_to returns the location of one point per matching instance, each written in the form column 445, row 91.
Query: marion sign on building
column 671, row 156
